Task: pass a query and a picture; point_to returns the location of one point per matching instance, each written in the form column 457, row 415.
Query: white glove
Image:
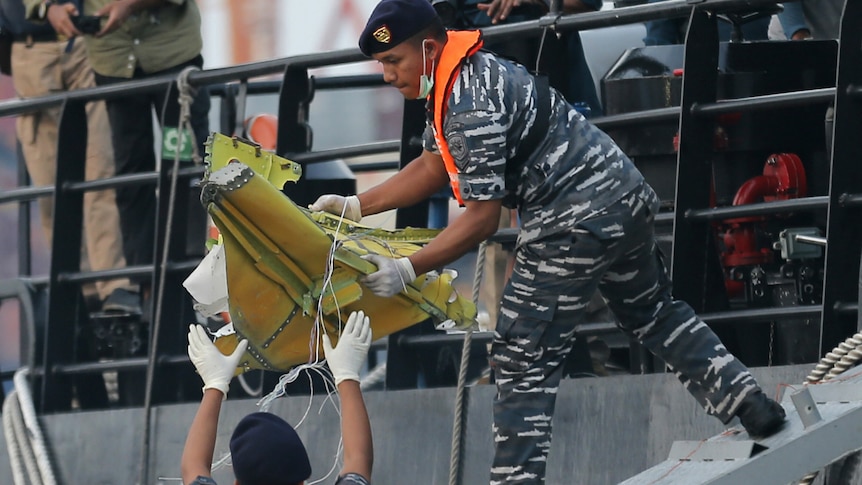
column 215, row 368
column 347, row 358
column 391, row 277
column 336, row 204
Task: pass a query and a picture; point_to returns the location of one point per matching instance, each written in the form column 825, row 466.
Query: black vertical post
column 24, row 263
column 34, row 333
column 63, row 299
column 402, row 366
column 167, row 331
column 843, row 231
column 294, row 133
column 295, row 136
column 412, row 126
column 694, row 160
column 227, row 111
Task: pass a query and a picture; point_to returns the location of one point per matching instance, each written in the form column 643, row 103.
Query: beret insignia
column 382, row 35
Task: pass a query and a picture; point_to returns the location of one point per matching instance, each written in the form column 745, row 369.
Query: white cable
column 46, row 469
column 247, row 387
column 13, row 444
column 374, row 377
column 23, row 438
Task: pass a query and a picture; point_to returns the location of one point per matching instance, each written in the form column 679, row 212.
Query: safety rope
column 375, row 376
column 24, row 439
column 846, row 355
column 185, row 98
column 21, row 458
column 457, row 424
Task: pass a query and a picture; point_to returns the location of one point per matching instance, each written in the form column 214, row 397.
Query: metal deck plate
column 782, row 458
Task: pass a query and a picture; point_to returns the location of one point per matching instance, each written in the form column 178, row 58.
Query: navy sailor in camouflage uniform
column 501, row 136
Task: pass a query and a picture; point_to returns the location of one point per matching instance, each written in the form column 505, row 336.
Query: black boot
column 760, row 416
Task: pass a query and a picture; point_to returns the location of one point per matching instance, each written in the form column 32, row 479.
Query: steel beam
column 694, row 162
column 841, row 270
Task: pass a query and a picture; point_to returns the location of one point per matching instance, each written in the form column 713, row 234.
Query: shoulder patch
column 458, row 148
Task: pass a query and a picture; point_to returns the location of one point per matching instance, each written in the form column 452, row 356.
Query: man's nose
column 388, row 75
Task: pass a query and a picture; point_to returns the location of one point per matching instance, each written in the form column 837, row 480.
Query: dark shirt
column 153, row 40
column 12, row 19
column 563, row 58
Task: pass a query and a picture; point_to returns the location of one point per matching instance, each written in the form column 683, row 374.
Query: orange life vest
column 461, row 45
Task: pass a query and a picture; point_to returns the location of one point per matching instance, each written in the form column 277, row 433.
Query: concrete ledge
column 605, row 430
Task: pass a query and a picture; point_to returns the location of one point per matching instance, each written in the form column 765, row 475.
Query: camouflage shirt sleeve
column 477, row 142
column 201, row 480
column 490, row 111
column 351, row 479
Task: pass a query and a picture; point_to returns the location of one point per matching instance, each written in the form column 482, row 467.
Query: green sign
column 172, row 142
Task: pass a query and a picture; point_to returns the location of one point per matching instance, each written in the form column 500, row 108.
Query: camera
column 447, row 10
column 87, row 24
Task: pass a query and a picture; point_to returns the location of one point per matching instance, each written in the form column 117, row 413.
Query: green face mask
column 425, row 81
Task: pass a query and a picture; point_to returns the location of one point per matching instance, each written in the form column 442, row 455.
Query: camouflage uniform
column 586, row 224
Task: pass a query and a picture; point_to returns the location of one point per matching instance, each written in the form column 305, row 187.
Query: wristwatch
column 42, row 14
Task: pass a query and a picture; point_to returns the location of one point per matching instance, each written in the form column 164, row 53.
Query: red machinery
column 783, row 178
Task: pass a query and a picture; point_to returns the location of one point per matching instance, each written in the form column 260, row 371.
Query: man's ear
column 433, row 48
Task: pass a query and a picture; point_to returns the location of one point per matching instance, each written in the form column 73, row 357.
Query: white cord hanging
column 24, row 437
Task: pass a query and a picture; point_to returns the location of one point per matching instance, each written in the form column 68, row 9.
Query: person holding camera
column 499, row 136
column 48, row 56
column 139, row 39
column 557, row 54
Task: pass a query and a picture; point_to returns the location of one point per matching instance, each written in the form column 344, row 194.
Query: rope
column 13, row 430
column 243, row 382
column 24, row 438
column 457, row 425
column 185, row 99
column 375, row 376
column 37, row 440
column 847, row 354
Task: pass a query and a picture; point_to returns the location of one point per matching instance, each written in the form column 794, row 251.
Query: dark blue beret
column 394, row 21
column 265, row 450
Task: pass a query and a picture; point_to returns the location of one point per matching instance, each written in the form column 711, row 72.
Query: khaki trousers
column 47, row 68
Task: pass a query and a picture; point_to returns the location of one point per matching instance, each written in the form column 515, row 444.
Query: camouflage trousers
column 553, row 280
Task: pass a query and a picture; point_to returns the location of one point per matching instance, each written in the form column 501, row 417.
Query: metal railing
column 233, row 81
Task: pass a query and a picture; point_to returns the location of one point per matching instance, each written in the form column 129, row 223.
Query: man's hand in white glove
column 215, row 368
column 337, row 204
column 391, row 277
column 347, row 358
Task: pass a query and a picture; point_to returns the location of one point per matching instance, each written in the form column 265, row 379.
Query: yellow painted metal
column 275, row 169
column 277, row 255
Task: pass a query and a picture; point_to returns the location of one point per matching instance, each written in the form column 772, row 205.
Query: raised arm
column 200, row 443
column 216, row 371
column 345, row 361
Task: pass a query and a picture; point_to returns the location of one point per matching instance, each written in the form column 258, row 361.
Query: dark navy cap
column 265, row 450
column 394, row 21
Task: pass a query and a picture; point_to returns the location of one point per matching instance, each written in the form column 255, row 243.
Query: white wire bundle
column 24, row 438
column 315, row 362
